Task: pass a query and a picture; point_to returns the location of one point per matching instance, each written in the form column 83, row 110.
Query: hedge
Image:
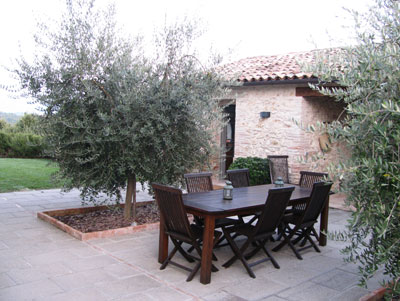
column 20, row 145
column 258, row 169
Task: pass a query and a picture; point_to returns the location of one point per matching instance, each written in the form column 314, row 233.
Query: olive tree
column 368, row 76
column 113, row 116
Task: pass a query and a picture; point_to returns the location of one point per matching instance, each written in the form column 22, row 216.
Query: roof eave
column 281, row 82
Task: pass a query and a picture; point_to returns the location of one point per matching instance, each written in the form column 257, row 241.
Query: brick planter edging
column 48, row 216
column 375, row 295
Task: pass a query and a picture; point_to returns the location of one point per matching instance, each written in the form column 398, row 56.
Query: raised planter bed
column 376, row 295
column 49, row 216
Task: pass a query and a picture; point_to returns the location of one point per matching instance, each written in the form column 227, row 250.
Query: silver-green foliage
column 110, row 112
column 370, row 75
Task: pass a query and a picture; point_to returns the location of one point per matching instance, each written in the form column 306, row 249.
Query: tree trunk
column 130, row 199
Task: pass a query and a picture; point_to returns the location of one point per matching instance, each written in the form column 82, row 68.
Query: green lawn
column 21, row 174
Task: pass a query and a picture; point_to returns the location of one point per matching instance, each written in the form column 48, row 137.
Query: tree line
column 22, row 139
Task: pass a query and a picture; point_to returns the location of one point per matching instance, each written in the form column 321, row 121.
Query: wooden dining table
column 246, row 200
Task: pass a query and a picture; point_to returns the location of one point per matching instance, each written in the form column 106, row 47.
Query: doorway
column 228, row 138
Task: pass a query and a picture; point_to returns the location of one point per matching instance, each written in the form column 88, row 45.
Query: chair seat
column 219, row 222
column 198, row 231
column 296, row 219
column 226, row 221
column 291, row 218
column 248, row 230
column 242, row 229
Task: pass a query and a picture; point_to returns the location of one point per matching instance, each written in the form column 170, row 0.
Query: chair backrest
column 318, row 198
column 239, row 177
column 308, row 178
column 272, row 213
column 198, row 182
column 171, row 207
column 278, row 167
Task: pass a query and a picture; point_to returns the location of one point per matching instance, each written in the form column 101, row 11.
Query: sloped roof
column 272, row 68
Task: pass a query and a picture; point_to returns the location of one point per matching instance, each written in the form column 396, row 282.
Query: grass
column 23, row 174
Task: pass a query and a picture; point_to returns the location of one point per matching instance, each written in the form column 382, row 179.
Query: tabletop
column 212, row 202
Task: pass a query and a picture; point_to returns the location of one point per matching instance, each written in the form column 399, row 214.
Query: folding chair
column 307, row 179
column 198, row 182
column 239, row 177
column 178, row 228
column 303, row 221
column 202, row 182
column 260, row 233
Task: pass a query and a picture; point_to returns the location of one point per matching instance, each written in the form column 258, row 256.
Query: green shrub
column 4, row 143
column 24, row 145
column 258, row 169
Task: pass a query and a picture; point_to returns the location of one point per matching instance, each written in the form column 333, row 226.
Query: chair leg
column 315, row 233
column 313, row 244
column 284, row 242
column 217, row 239
column 301, row 235
column 254, row 251
column 199, row 251
column 238, row 254
column 310, row 231
column 274, row 262
column 234, row 248
column 294, row 250
column 181, row 250
column 213, row 255
column 166, row 261
column 278, row 235
column 253, row 219
column 218, row 244
column 246, row 265
column 193, row 272
column 287, row 240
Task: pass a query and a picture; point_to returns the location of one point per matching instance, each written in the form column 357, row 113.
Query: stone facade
column 279, row 134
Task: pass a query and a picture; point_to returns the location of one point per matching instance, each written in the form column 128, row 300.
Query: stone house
column 274, row 92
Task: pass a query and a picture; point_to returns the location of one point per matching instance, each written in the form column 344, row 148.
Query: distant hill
column 11, row 118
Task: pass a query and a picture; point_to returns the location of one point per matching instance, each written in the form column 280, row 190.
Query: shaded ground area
column 40, row 262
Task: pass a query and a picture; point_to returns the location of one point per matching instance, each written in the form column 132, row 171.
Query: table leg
column 162, row 243
column 206, row 255
column 323, row 227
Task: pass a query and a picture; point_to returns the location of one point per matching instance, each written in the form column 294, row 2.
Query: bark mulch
column 111, row 218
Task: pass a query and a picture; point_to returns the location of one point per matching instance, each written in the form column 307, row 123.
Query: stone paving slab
column 40, row 262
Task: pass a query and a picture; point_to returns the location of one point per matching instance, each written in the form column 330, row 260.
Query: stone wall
column 279, row 134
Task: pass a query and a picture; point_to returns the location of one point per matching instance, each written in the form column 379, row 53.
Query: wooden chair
column 178, row 228
column 278, row 167
column 202, row 182
column 307, row 179
column 239, row 177
column 303, row 221
column 260, row 233
column 198, row 182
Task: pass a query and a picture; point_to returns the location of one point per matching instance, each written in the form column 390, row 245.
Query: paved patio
column 40, row 262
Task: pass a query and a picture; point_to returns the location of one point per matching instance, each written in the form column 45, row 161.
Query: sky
column 235, row 29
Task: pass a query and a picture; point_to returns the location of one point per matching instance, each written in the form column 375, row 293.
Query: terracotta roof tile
column 272, row 68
